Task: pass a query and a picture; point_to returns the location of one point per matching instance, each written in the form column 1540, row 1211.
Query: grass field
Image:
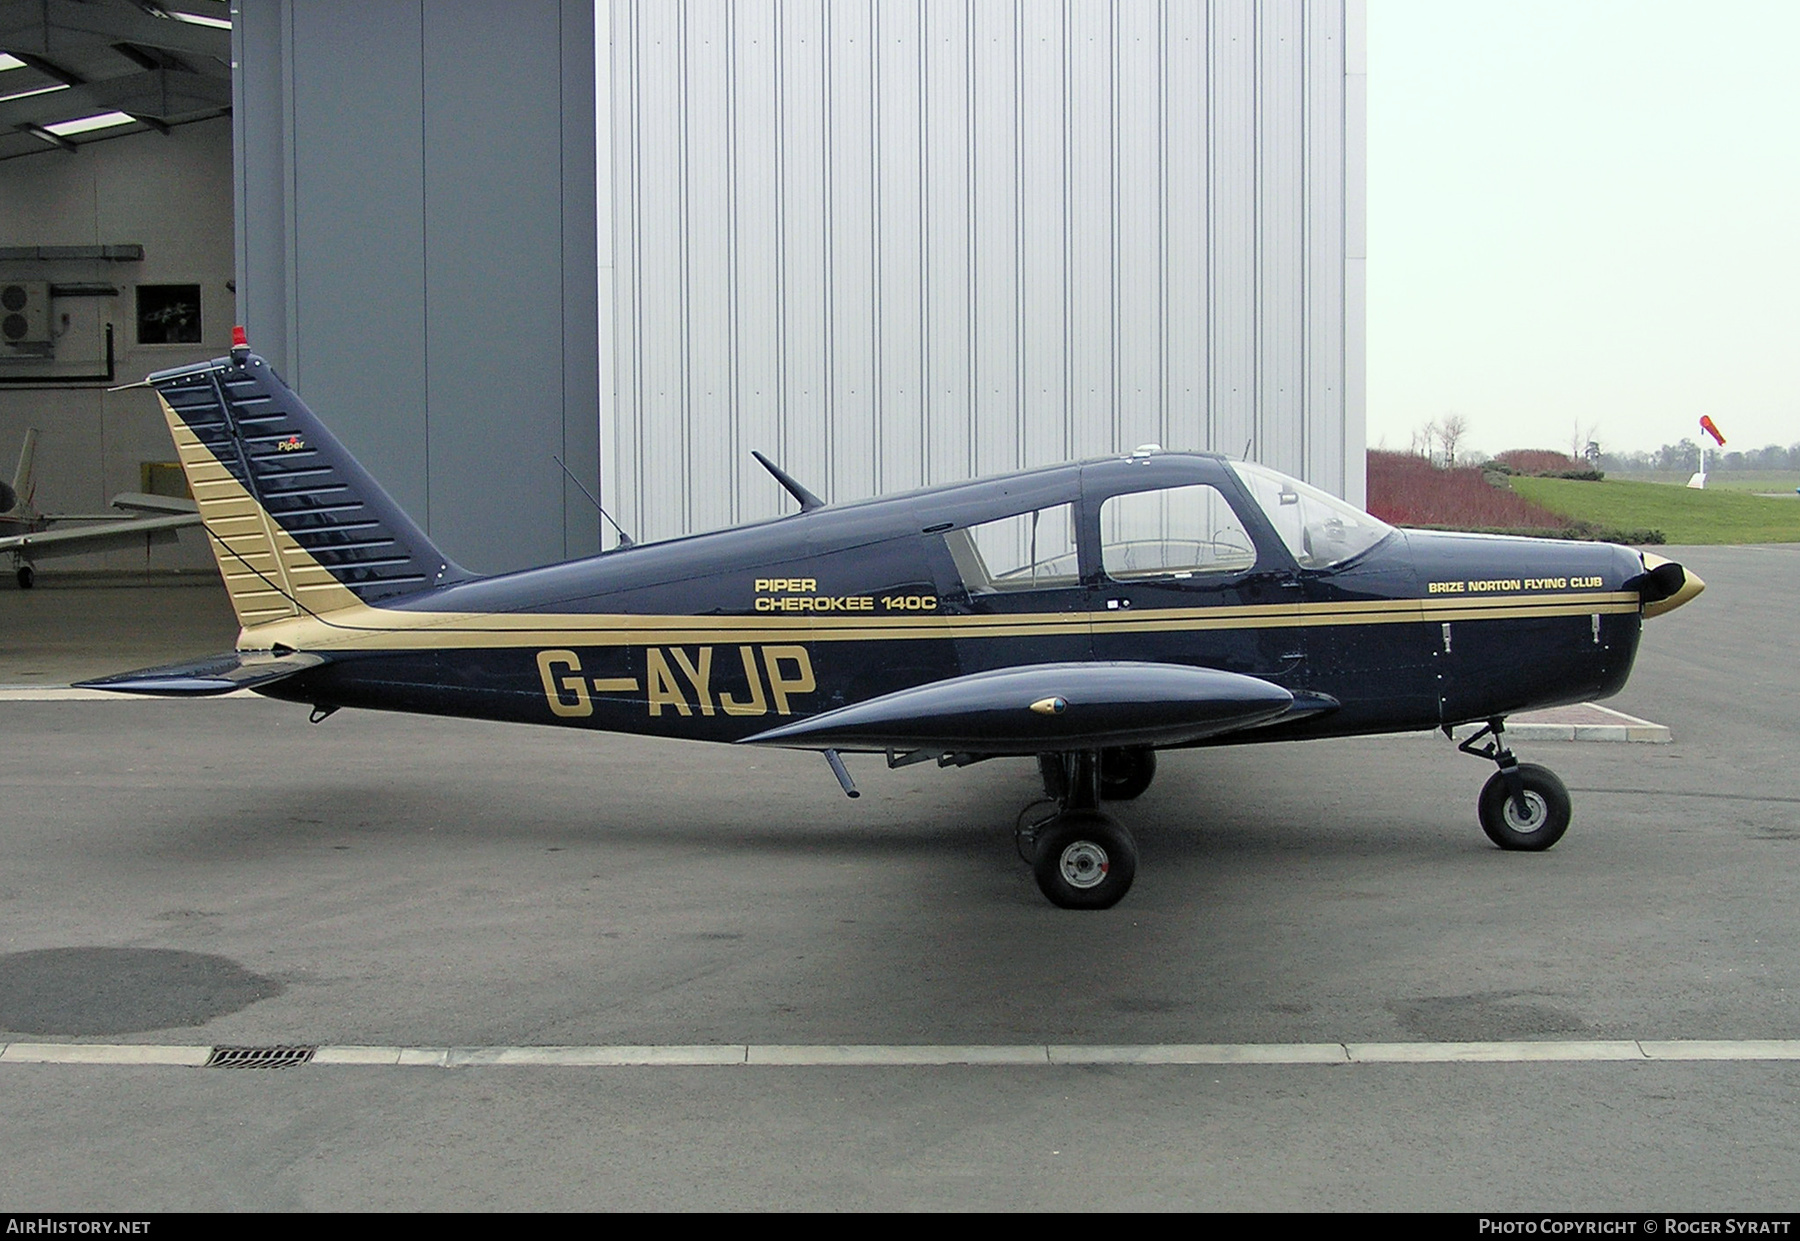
column 1783, row 481
column 1716, row 515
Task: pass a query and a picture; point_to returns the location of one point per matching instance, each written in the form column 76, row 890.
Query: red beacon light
column 240, row 345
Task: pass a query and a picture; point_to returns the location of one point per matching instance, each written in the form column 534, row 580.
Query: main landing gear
column 1523, row 805
column 1082, row 857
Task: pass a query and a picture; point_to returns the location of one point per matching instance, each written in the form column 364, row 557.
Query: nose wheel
column 1522, row 806
column 1081, row 857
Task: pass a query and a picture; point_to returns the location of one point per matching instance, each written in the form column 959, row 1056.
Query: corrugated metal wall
column 914, row 241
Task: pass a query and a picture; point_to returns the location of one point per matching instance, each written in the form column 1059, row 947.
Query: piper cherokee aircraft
column 35, row 540
column 1085, row 615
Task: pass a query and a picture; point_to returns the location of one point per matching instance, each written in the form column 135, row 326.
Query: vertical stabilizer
column 23, row 484
column 298, row 527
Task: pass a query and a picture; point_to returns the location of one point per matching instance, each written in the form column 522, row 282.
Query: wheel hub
column 1084, row 864
column 1535, row 812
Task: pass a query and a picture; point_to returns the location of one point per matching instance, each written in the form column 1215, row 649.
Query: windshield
column 1318, row 528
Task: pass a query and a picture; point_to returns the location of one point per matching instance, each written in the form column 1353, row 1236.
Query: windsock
column 1707, row 425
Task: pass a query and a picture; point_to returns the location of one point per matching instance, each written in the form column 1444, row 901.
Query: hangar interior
column 888, row 245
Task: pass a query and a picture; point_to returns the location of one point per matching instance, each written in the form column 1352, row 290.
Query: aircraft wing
column 218, row 674
column 1049, row 707
column 102, row 536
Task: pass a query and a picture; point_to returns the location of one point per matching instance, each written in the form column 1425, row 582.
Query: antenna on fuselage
column 808, row 501
column 625, row 540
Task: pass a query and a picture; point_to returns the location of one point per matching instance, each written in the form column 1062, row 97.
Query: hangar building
column 888, row 244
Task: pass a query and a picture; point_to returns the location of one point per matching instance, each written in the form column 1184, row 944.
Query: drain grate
column 280, row 1056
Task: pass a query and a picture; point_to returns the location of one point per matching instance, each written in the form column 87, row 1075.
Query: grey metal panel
column 494, row 358
column 622, row 458
column 1043, row 238
column 948, row 272
column 1088, row 114
column 417, row 251
column 1231, row 145
column 358, row 323
column 659, row 181
column 1280, row 209
column 1324, row 136
column 580, row 260
column 706, row 260
column 1139, row 196
column 1187, row 226
column 258, row 136
column 900, row 226
column 806, row 429
column 756, row 234
column 851, row 215
column 995, row 307
column 969, row 235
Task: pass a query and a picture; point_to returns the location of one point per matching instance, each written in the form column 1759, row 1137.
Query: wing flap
column 1047, row 707
column 218, row 674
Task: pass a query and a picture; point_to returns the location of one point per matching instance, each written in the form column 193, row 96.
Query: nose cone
column 1666, row 585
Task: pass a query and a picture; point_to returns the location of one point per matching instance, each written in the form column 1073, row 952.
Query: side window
column 1030, row 551
column 1176, row 532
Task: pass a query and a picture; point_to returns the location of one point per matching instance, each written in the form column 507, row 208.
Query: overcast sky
column 1584, row 211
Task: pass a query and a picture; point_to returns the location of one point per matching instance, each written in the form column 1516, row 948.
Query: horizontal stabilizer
column 140, row 502
column 219, row 674
column 1047, row 707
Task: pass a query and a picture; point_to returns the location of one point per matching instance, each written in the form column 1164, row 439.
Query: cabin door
column 1180, row 579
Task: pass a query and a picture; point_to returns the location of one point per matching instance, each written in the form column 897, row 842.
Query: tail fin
column 298, row 527
column 23, row 485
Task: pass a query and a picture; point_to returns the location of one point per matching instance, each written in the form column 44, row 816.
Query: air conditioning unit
column 24, row 312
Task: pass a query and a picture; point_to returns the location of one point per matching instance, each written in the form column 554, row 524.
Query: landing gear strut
column 1082, row 857
column 1523, row 805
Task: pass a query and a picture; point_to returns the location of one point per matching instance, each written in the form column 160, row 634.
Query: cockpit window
column 1318, row 528
column 1174, row 532
column 1030, row 551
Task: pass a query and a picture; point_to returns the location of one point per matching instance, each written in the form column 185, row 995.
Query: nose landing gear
column 1522, row 806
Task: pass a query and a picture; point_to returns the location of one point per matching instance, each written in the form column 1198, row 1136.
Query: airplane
column 1083, row 615
column 104, row 531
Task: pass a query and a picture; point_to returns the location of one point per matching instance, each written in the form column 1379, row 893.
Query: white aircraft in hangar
column 26, row 535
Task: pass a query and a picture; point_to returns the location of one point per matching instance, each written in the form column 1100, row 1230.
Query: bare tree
column 1581, row 439
column 1452, row 429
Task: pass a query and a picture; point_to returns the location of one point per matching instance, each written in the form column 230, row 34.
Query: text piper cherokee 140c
column 1084, row 615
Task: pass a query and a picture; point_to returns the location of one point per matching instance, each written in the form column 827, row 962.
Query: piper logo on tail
column 681, row 680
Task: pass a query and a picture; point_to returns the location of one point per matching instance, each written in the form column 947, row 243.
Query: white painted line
column 103, row 1053
column 358, row 1055
column 598, row 1057
column 880, row 1055
column 1204, row 1053
column 1722, row 1049
column 866, row 1054
column 1452, row 1053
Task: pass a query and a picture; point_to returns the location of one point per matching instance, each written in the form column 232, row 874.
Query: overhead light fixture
column 194, row 19
column 10, row 62
column 38, row 90
column 84, row 124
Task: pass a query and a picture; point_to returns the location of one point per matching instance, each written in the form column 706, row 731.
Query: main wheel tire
column 1126, row 773
column 1085, row 860
column 1546, row 805
column 27, row 577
